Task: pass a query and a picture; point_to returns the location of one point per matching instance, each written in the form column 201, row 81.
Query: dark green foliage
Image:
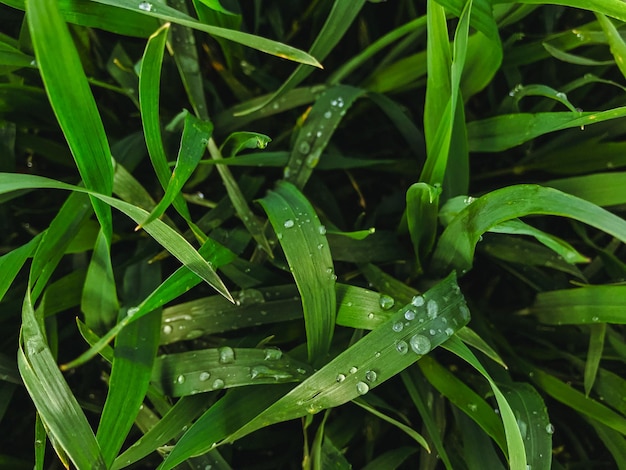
column 403, row 248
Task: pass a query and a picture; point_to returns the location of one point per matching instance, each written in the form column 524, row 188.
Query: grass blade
column 303, row 240
column 66, row 423
column 72, row 102
column 458, row 242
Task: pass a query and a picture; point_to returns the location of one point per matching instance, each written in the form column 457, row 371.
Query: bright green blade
column 167, row 13
column 135, row 350
column 65, row 422
column 303, row 239
column 456, row 246
column 72, row 102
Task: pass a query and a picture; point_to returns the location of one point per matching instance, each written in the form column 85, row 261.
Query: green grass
column 315, row 235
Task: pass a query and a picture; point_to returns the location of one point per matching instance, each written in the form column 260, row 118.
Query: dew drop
column 288, row 223
column 472, row 406
column 523, row 428
column 313, row 159
column 448, row 331
column 180, row 379
column 340, row 378
column 562, row 96
column 371, row 376
column 304, row 147
column 432, row 309
column 432, row 332
column 595, row 318
column 409, row 315
column 353, row 370
column 397, row 326
column 386, row 302
column 321, row 230
column 417, row 301
column 362, row 388
column 226, row 355
column 402, row 347
column 328, row 114
column 370, row 315
column 146, row 6
column 131, row 311
column 218, row 384
column 420, row 344
column 204, row 376
column 550, row 428
column 377, row 354
column 167, row 329
column 301, row 371
column 273, row 354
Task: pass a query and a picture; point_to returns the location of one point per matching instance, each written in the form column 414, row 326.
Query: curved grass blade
column 458, row 241
column 268, row 46
column 12, row 262
column 603, row 189
column 163, row 234
column 196, row 134
column 149, row 89
column 510, row 130
column 72, row 102
column 250, row 221
column 533, row 422
column 99, row 295
column 208, row 370
column 583, row 305
column 65, row 422
column 614, row 442
column 135, row 350
column 104, row 17
column 303, row 240
column 339, row 20
column 514, row 441
column 463, row 397
column 426, row 323
column 319, row 126
column 422, row 207
column 594, row 355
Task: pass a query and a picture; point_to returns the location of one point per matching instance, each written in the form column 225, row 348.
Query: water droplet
column 289, row 223
column 402, row 347
column 377, row 354
column 562, row 96
column 273, row 354
column 472, row 406
column 131, row 311
column 386, row 302
column 409, row 315
column 304, row 147
column 218, row 384
column 371, row 376
column 432, row 309
column 301, row 371
column 226, row 355
column 418, row 301
column 318, row 134
column 420, row 344
column 340, row 378
column 167, row 329
column 397, row 326
column 204, row 376
column 328, row 114
column 320, row 246
column 322, row 230
column 523, row 428
column 432, row 332
column 465, row 313
column 595, row 318
column 550, row 428
column 353, row 370
column 362, row 388
column 370, row 315
column 449, row 331
column 313, row 159
column 519, row 87
column 146, row 6
column 180, row 379
column 468, row 200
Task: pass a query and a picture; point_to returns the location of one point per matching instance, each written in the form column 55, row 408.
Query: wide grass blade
column 135, row 350
column 411, row 332
column 65, row 422
column 72, row 102
column 339, row 20
column 196, row 134
column 458, row 242
column 303, row 239
column 167, row 13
